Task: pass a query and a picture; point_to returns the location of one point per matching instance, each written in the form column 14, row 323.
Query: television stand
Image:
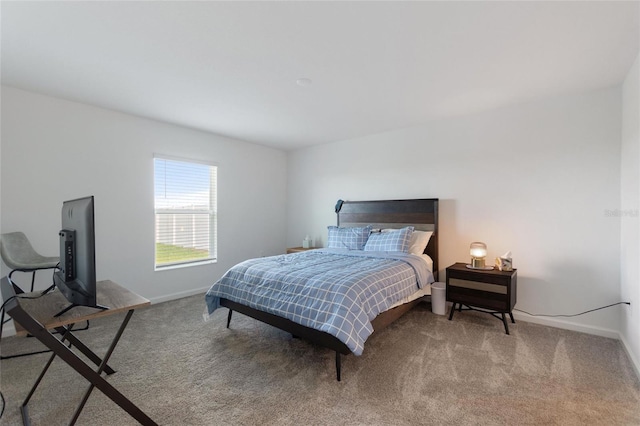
column 73, row 305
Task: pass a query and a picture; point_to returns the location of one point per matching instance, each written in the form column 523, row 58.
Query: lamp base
column 481, row 268
column 477, row 262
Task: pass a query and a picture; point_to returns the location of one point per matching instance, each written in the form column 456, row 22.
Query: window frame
column 212, row 212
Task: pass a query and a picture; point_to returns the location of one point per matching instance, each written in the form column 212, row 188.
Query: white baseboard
column 179, row 295
column 567, row 325
column 8, row 329
column 635, row 363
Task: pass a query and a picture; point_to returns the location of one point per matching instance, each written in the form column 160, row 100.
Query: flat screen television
column 76, row 278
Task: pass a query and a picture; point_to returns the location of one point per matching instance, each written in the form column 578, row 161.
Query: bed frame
column 422, row 214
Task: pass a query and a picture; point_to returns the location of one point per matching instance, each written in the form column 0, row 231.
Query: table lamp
column 478, row 252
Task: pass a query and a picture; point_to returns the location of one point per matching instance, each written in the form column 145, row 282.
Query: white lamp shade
column 478, row 250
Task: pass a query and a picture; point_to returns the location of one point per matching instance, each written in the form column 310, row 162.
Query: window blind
column 185, row 212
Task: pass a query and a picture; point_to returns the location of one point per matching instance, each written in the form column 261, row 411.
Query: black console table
column 37, row 316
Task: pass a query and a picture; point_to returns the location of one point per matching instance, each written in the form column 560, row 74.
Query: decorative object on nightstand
column 493, row 291
column 478, row 253
column 504, row 262
column 306, row 243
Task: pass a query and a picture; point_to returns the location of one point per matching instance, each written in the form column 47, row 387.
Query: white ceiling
column 231, row 67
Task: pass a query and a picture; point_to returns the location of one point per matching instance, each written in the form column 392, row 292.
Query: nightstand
column 493, row 291
column 298, row 249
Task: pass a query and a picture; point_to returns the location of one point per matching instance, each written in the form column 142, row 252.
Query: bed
column 280, row 279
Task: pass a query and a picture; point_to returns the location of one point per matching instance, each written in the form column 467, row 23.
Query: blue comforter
column 332, row 290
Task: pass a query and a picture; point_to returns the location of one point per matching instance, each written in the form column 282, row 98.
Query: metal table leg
column 74, row 361
column 66, row 331
column 102, row 366
column 453, row 309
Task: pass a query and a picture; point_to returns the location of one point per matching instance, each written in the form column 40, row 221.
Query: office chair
column 18, row 254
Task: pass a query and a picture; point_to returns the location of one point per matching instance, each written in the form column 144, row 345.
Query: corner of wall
column 635, row 362
column 629, row 205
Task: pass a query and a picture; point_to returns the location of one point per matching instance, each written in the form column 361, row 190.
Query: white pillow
column 419, row 241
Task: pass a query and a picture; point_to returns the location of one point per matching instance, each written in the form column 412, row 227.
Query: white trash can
column 438, row 298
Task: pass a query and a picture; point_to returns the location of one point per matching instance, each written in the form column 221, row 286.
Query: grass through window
column 167, row 253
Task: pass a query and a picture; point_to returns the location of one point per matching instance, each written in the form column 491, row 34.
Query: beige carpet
column 423, row 369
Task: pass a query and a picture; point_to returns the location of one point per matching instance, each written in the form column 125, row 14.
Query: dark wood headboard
column 422, row 214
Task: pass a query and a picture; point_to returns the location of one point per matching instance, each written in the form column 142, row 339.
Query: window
column 186, row 212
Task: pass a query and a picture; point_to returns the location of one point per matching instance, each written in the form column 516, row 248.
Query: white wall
column 629, row 219
column 54, row 150
column 536, row 179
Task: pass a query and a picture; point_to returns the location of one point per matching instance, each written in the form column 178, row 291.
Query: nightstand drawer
column 491, row 276
column 479, row 298
column 477, row 285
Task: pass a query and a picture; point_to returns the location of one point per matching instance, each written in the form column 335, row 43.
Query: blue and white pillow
column 349, row 238
column 397, row 241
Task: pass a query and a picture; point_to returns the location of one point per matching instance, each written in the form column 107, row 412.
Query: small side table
column 493, row 291
column 298, row 249
column 36, row 316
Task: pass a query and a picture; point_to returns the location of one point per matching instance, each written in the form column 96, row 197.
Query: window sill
column 184, row 265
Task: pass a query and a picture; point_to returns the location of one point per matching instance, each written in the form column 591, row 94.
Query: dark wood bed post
column 422, row 214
